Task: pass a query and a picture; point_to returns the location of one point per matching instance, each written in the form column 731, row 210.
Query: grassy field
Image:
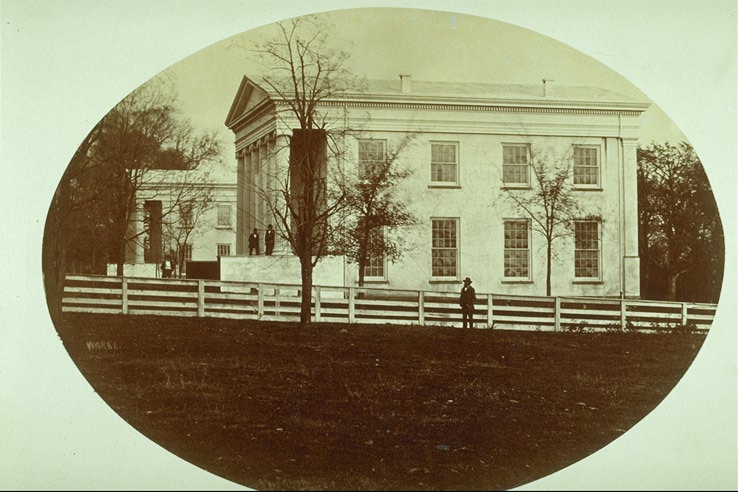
column 273, row 406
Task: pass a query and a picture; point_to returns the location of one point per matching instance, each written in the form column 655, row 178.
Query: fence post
column 623, row 310
column 276, row 301
column 201, row 298
column 260, row 300
column 351, row 306
column 557, row 314
column 421, row 307
column 317, row 302
column 124, row 295
column 490, row 308
column 684, row 313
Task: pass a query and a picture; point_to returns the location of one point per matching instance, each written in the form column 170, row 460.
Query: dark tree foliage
column 680, row 234
column 89, row 220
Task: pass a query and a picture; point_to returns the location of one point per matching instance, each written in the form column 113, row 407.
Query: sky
column 65, row 64
column 429, row 45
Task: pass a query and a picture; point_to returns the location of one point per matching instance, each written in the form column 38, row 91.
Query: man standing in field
column 466, row 300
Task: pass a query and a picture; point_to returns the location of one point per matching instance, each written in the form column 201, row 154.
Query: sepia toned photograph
column 383, row 249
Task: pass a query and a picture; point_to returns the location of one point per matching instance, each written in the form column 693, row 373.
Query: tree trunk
column 672, row 287
column 306, row 274
column 548, row 268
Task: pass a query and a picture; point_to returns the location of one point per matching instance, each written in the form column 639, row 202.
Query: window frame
column 218, row 216
column 457, row 157
column 221, row 245
column 188, row 248
column 598, row 226
column 529, row 258
column 456, row 249
column 521, row 185
column 598, row 167
column 377, row 278
column 361, row 169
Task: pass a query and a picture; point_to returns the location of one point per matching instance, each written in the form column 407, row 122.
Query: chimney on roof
column 405, row 83
column 548, row 87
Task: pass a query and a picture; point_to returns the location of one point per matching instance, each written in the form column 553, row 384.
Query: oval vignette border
column 707, row 142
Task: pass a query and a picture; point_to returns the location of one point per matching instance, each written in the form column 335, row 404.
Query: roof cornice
column 486, row 104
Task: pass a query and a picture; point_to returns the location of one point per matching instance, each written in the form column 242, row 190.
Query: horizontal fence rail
column 281, row 302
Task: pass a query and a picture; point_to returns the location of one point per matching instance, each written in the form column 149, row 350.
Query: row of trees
column 681, row 239
column 90, row 220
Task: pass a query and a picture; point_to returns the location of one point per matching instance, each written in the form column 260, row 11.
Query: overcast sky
column 430, row 45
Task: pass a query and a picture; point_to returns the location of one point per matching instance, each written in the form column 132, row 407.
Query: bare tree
column 194, row 201
column 681, row 237
column 304, row 71
column 374, row 210
column 95, row 206
column 549, row 203
column 144, row 133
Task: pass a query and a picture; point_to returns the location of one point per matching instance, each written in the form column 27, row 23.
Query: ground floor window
column 187, row 250
column 445, row 248
column 224, row 250
column 517, row 249
column 587, row 249
column 375, row 267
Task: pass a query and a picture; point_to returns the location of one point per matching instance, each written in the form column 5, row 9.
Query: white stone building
column 472, row 145
column 187, row 215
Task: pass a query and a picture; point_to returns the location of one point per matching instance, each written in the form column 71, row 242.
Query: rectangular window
column 586, row 166
column 375, row 265
column 587, row 249
column 445, row 248
column 515, row 170
column 444, row 162
column 517, row 249
column 224, row 216
column 224, row 250
column 371, row 152
column 187, row 251
column 185, row 215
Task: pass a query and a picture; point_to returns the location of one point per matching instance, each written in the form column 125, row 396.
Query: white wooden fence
column 244, row 300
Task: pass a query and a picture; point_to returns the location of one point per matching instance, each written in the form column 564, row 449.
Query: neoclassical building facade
column 472, row 151
column 183, row 215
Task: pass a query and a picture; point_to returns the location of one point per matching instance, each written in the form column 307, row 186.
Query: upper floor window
column 445, row 248
column 515, row 169
column 371, row 153
column 587, row 249
column 445, row 162
column 586, row 166
column 517, row 249
column 224, row 216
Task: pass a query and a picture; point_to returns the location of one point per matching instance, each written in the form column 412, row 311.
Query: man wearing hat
column 466, row 300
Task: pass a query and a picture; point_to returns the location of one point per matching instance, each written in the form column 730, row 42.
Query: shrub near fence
column 214, row 298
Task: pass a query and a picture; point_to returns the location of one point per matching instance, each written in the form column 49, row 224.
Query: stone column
column 281, row 179
column 134, row 247
column 629, row 213
column 240, row 200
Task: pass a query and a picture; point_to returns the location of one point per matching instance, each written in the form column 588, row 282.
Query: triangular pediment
column 249, row 96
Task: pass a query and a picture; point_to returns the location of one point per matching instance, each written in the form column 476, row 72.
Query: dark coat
column 253, row 240
column 467, row 297
column 269, row 236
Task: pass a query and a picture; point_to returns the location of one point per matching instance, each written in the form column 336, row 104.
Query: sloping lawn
column 273, row 406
